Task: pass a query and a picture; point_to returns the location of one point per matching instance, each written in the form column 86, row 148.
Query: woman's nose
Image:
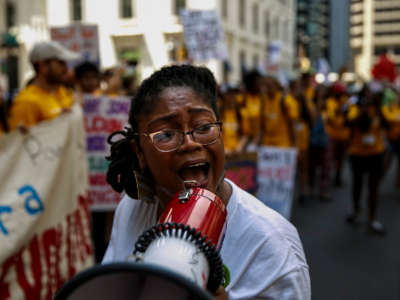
column 188, row 142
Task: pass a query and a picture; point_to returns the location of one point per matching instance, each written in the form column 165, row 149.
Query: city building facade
column 313, row 29
column 152, row 30
column 339, row 42
column 374, row 28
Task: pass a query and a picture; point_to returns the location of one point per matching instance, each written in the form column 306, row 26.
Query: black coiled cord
column 202, row 242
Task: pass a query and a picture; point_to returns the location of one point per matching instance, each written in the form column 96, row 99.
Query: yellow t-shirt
column 302, row 128
column 33, row 105
column 392, row 115
column 230, row 129
column 250, row 113
column 302, row 131
column 335, row 119
column 277, row 131
column 369, row 142
column 309, row 93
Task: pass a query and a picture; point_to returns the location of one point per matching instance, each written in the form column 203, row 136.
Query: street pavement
column 346, row 262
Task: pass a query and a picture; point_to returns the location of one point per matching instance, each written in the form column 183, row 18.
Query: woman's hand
column 221, row 294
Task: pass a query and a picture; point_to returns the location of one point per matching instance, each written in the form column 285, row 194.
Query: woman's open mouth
column 195, row 175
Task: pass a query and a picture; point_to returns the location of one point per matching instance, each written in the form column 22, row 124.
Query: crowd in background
column 325, row 122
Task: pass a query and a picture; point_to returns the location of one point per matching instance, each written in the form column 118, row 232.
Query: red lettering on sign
column 45, row 253
column 87, row 33
column 52, row 243
column 101, row 124
column 98, row 179
column 31, row 292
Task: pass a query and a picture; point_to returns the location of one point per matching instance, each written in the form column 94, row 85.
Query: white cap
column 51, row 50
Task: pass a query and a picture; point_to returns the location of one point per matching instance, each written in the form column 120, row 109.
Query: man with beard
column 45, row 97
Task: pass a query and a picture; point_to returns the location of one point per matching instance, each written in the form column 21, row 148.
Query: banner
column 276, row 178
column 44, row 214
column 204, row 36
column 103, row 116
column 242, row 170
column 79, row 38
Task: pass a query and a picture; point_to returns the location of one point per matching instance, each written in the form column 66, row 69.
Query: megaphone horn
column 188, row 238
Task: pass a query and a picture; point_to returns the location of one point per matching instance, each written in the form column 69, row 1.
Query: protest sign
column 274, row 56
column 44, row 214
column 242, row 170
column 103, row 116
column 276, row 178
column 79, row 38
column 204, row 36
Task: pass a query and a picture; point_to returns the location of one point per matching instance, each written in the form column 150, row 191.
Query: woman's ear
column 139, row 154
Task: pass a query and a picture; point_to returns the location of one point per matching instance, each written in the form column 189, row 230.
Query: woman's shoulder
column 245, row 203
column 259, row 239
column 252, row 217
column 128, row 206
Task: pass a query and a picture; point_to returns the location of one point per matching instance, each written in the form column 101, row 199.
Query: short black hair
column 120, row 173
column 85, row 67
column 250, row 79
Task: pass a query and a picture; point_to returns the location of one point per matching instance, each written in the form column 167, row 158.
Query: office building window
column 379, row 50
column 242, row 13
column 255, row 18
column 126, row 9
column 224, row 9
column 10, row 15
column 76, row 10
column 178, row 5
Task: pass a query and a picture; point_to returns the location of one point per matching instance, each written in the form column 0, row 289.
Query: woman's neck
column 224, row 192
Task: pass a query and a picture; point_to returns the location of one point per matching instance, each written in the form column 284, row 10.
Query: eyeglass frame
column 183, row 134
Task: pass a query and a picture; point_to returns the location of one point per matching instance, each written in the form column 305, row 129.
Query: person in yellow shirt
column 366, row 154
column 278, row 118
column 45, row 98
column 339, row 134
column 234, row 141
column 307, row 86
column 250, row 109
column 391, row 112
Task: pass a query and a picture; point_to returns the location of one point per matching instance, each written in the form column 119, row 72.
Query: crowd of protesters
column 325, row 122
column 54, row 87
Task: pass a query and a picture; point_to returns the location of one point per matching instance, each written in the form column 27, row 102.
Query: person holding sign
column 45, row 98
column 175, row 137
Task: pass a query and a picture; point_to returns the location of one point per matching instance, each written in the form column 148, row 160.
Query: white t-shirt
column 261, row 248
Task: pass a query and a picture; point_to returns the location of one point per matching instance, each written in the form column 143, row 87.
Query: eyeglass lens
column 170, row 140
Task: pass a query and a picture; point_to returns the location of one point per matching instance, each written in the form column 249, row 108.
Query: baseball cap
column 51, row 50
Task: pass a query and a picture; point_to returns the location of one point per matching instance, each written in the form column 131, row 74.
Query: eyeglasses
column 171, row 139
